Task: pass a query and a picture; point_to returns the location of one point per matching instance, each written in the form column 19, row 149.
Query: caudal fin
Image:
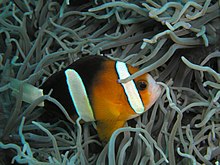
column 30, row 92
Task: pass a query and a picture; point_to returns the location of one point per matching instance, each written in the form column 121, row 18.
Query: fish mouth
column 154, row 88
column 157, row 91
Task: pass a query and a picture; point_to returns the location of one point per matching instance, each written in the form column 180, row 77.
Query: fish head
column 145, row 93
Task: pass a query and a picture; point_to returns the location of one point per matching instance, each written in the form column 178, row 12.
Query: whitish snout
column 154, row 90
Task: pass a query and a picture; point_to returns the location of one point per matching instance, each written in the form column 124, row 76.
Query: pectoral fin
column 107, row 127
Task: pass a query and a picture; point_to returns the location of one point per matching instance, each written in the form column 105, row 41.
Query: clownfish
column 89, row 88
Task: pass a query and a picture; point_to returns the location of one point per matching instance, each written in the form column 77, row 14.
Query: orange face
column 109, row 99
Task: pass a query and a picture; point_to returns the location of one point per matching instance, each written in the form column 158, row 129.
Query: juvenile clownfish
column 90, row 88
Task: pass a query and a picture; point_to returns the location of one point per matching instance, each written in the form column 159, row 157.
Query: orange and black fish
column 89, row 88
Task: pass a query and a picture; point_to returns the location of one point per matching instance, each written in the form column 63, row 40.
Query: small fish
column 89, row 88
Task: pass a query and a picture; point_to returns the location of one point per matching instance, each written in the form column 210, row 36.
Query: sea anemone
column 177, row 41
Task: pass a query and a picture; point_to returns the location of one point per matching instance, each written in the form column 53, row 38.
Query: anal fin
column 105, row 128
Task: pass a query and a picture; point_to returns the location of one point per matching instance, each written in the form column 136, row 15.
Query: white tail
column 30, row 92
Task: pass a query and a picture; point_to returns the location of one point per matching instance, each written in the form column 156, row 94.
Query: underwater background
column 176, row 41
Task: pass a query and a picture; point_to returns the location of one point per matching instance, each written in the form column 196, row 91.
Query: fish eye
column 141, row 85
